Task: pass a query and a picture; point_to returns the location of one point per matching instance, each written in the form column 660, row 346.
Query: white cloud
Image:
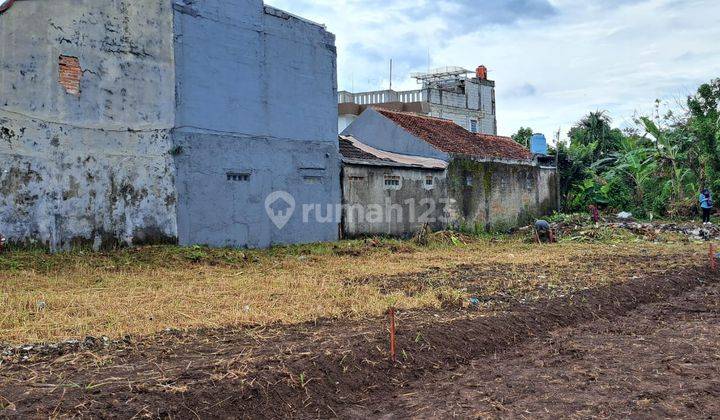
column 553, row 62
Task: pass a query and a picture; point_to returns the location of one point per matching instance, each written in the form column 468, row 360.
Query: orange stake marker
column 713, row 259
column 391, row 312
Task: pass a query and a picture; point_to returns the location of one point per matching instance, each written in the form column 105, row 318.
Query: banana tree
column 636, row 163
column 668, row 154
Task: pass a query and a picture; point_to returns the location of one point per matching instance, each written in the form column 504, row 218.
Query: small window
column 392, row 181
column 474, row 126
column 468, row 181
column 429, row 181
column 240, row 177
column 356, row 178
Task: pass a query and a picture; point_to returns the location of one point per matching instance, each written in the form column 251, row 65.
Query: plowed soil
column 644, row 347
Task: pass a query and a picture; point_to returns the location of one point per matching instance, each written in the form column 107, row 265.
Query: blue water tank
column 538, row 144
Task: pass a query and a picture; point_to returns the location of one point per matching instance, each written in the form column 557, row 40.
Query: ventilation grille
column 239, row 177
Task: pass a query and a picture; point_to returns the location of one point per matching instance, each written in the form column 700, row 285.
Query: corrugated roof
column 451, row 138
column 354, row 151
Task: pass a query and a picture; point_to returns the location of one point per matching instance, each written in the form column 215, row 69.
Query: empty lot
column 612, row 328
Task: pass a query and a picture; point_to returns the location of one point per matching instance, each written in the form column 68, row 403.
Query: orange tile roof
column 451, row 138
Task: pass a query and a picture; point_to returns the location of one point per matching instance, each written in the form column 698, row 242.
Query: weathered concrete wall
column 476, row 103
column 486, row 195
column 547, row 190
column 256, row 96
column 470, row 195
column 372, row 208
column 498, row 196
column 377, row 131
column 488, row 119
column 88, row 167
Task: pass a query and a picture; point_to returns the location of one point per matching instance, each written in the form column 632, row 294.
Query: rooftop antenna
column 428, row 61
column 391, row 74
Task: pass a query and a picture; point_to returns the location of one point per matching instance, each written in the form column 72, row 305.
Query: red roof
column 451, row 138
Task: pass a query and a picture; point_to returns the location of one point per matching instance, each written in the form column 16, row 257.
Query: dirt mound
column 302, row 371
column 660, row 361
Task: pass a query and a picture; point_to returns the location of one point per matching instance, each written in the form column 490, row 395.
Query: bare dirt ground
column 659, row 361
column 648, row 346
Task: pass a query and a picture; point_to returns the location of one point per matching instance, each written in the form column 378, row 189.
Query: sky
column 553, row 60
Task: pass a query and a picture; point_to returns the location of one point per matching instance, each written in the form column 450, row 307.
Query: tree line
column 657, row 167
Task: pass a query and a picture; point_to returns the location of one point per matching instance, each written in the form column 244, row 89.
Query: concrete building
column 487, row 183
column 447, row 93
column 382, row 182
column 133, row 121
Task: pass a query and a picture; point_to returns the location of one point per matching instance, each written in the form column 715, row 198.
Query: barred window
column 392, row 181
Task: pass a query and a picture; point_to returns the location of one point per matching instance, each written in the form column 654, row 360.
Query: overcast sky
column 553, row 60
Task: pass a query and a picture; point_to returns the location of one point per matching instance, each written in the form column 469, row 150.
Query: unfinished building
column 446, row 92
column 452, row 177
column 134, row 121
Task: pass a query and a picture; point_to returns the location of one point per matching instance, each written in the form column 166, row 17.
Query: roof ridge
column 495, row 136
column 449, row 137
column 415, row 114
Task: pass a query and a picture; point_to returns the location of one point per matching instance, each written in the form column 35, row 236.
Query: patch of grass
column 144, row 290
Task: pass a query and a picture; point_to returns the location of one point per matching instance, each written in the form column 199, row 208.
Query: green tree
column 668, row 154
column 595, row 128
column 704, row 125
column 658, row 167
column 634, row 162
column 523, row 136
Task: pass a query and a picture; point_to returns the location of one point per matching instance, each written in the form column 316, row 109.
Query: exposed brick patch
column 70, row 74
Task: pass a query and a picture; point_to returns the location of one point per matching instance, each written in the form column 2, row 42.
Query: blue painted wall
column 256, row 95
column 221, row 212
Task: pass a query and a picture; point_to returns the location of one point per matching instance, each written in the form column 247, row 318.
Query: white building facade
column 448, row 92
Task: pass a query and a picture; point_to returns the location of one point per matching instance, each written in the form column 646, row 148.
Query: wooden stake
column 713, row 259
column 391, row 313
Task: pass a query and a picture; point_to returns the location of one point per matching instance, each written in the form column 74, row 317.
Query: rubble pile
column 705, row 232
column 580, row 229
column 25, row 352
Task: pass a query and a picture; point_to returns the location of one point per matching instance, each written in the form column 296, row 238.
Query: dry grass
column 142, row 291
